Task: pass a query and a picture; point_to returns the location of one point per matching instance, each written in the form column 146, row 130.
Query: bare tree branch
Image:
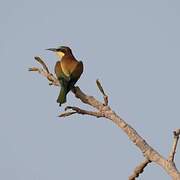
column 80, row 111
column 103, row 109
column 139, row 169
column 45, row 72
column 176, row 134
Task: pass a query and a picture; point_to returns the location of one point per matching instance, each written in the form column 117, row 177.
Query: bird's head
column 61, row 51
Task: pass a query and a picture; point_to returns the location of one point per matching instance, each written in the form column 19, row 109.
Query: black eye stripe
column 60, row 49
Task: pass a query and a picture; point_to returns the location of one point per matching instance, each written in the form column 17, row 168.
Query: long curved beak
column 52, row 49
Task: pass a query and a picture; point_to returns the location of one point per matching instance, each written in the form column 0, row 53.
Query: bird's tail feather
column 62, row 96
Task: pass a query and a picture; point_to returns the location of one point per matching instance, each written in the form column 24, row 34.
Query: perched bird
column 67, row 69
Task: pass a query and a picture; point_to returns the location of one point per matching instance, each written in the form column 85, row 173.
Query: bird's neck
column 68, row 57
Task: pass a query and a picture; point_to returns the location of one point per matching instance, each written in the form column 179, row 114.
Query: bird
column 67, row 69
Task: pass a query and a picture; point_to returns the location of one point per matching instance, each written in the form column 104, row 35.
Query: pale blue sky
column 133, row 47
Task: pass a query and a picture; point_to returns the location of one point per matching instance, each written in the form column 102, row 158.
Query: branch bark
column 139, row 169
column 80, row 111
column 103, row 110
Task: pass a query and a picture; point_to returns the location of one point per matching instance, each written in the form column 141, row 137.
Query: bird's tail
column 62, row 96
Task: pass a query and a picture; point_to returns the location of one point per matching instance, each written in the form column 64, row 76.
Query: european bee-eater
column 67, row 69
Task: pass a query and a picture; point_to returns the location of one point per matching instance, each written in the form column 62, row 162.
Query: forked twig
column 45, row 72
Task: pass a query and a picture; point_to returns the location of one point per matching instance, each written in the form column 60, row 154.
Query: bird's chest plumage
column 68, row 65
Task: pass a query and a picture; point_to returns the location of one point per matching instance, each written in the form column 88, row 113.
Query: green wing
column 64, row 82
column 77, row 71
column 76, row 74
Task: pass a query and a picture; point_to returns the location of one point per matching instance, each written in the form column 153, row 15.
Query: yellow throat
column 60, row 54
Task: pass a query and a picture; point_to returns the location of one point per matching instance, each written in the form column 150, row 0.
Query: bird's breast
column 68, row 65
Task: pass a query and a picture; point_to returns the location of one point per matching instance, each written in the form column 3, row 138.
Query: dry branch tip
column 176, row 135
column 33, row 69
column 39, row 60
column 65, row 114
column 102, row 91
